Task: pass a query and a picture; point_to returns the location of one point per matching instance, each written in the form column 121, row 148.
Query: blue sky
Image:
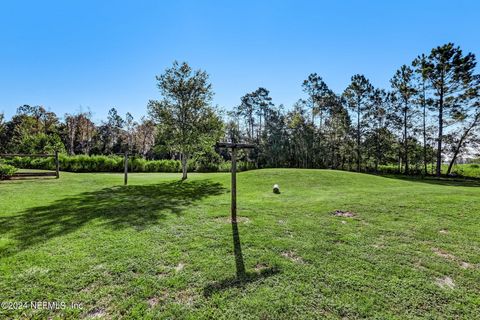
column 72, row 55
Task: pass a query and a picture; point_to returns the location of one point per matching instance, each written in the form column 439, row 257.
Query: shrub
column 207, row 161
column 113, row 163
column 6, row 170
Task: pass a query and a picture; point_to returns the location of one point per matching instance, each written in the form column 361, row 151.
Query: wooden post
column 125, row 179
column 237, row 247
column 57, row 165
column 234, row 186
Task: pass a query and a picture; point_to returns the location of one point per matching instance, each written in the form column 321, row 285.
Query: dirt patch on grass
column 152, row 302
column 465, row 265
column 444, row 254
column 185, row 297
column 443, row 231
column 341, row 213
column 259, row 267
column 229, row 220
column 35, row 272
column 451, row 257
column 96, row 313
column 445, row 282
column 155, row 300
column 293, row 256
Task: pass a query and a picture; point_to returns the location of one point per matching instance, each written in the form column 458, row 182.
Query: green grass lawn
column 161, row 248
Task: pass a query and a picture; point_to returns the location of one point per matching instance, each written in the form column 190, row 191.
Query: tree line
column 430, row 115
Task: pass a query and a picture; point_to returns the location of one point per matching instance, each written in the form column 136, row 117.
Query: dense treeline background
column 428, row 118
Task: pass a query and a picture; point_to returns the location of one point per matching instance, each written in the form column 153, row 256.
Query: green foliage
column 207, row 162
column 187, row 122
column 6, row 170
column 464, row 170
column 40, row 143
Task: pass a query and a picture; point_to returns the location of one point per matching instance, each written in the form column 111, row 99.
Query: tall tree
column 145, row 133
column 422, row 102
column 86, row 131
column 112, row 131
column 262, row 105
column 130, row 125
column 467, row 127
column 337, row 132
column 256, row 103
column 356, row 96
column 403, row 87
column 378, row 138
column 3, row 133
column 319, row 95
column 246, row 109
column 71, row 126
column 449, row 73
column 34, row 129
column 185, row 115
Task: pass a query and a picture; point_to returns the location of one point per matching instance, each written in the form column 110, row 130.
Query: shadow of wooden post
column 237, row 250
column 237, row 247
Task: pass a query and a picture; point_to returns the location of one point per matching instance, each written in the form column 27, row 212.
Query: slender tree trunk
column 377, row 149
column 184, row 166
column 452, row 162
column 460, row 143
column 259, row 128
column 358, row 138
column 424, row 140
column 405, row 142
column 399, row 160
column 440, row 135
column 424, row 106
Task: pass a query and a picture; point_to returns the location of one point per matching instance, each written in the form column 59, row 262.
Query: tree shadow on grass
column 235, row 282
column 135, row 206
column 442, row 181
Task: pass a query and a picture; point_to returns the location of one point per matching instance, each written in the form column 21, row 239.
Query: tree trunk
column 424, row 142
column 440, row 136
column 460, row 142
column 405, row 142
column 424, row 105
column 184, row 166
column 358, row 138
column 452, row 162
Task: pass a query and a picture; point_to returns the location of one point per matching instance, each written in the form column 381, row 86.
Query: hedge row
column 84, row 163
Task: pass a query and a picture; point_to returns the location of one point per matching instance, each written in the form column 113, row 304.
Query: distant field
column 467, row 170
column 461, row 170
column 161, row 248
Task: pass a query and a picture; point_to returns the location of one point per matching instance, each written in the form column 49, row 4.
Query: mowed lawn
column 161, row 248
